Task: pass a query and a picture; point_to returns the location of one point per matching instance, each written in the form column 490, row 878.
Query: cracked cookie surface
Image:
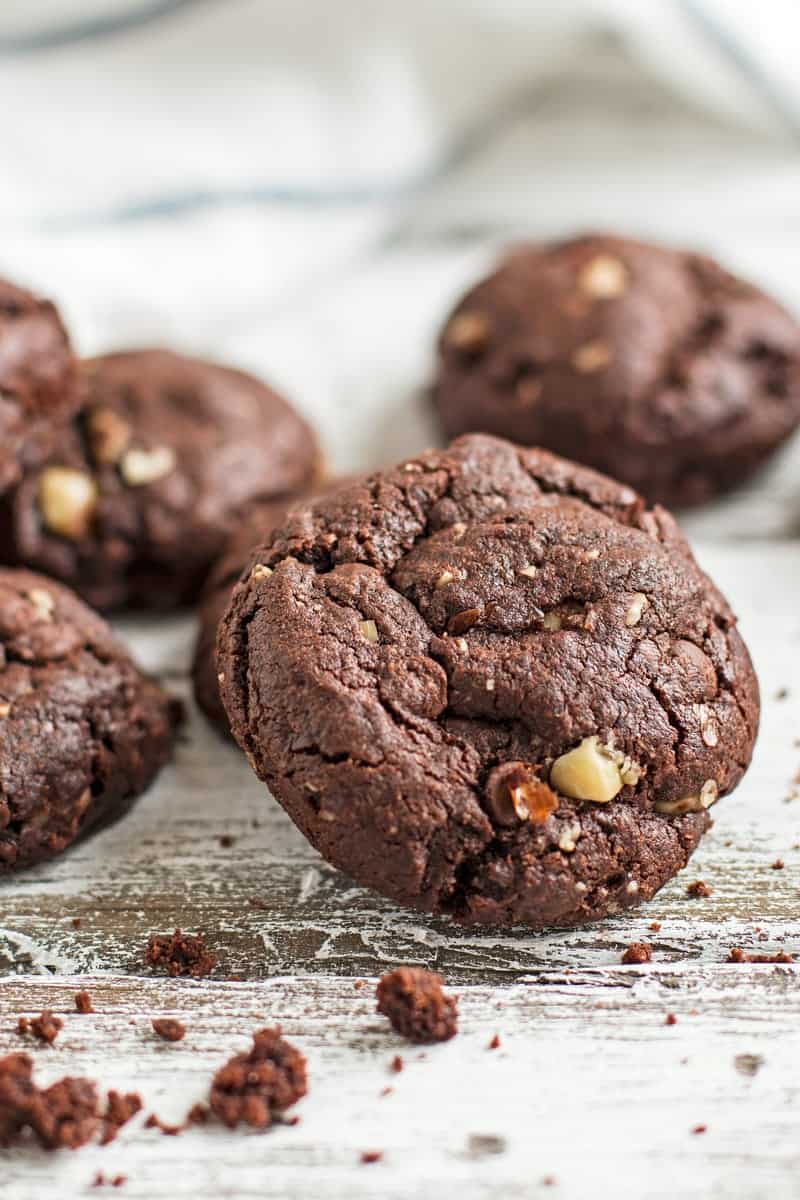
column 652, row 364
column 152, row 477
column 491, row 684
column 82, row 731
column 38, row 380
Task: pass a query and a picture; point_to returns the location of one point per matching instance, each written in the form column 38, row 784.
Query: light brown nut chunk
column 587, row 772
column 108, row 434
column 603, row 277
column 591, row 357
column 140, row 467
column 67, row 500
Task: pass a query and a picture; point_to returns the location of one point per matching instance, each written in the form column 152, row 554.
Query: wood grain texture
column 588, row 1084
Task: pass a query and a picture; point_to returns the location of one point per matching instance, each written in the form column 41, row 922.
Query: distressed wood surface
column 588, row 1083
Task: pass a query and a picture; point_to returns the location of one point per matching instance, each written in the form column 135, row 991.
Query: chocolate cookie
column 491, row 684
column 38, row 391
column 82, row 731
column 255, row 527
column 153, row 476
column 654, row 365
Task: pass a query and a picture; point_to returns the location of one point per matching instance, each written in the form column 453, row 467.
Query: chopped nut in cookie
column 588, row 772
column 67, row 499
column 603, row 277
column 43, row 602
column 591, row 357
column 108, row 435
column 633, row 613
column 515, row 793
column 140, row 467
column 707, row 796
column 468, row 332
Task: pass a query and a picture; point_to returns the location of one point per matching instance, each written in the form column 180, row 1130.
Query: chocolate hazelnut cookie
column 38, row 391
column 654, row 365
column 152, row 477
column 258, row 523
column 82, row 731
column 491, row 684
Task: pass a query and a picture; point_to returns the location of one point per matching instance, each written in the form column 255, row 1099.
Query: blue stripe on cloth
column 466, row 145
column 97, row 27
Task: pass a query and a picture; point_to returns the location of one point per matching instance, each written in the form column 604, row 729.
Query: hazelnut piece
column 587, row 772
column 369, row 630
column 67, row 499
column 515, row 793
column 633, row 613
column 708, row 795
column 603, row 277
column 140, row 467
column 591, row 357
column 468, row 333
column 43, row 602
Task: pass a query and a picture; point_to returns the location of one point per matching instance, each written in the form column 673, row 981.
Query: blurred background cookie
column 654, row 365
column 151, row 478
column 38, row 391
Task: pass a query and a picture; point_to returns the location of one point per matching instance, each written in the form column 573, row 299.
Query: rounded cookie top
column 654, row 365
column 38, row 391
column 490, row 683
column 82, row 731
column 141, row 496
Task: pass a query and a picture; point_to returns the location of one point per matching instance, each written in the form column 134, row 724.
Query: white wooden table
column 590, row 1092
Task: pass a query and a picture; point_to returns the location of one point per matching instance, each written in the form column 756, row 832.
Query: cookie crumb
column 654, row 927
column 494, row 1044
column 155, row 1122
column 396, row 1064
column 168, row 1029
column 638, row 952
column 671, row 1019
column 255, row 1086
column 371, row 1156
column 46, row 1027
column 180, row 954
column 23, row 1026
column 737, row 955
column 698, row 890
column 700, row 1129
column 778, row 865
column 83, row 1003
column 120, row 1108
column 226, row 841
column 417, row 1008
column 66, row 1114
column 198, row 1114
column 76, row 922
column 387, row 1091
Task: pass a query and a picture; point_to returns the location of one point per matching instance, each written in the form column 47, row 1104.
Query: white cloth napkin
column 304, row 187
